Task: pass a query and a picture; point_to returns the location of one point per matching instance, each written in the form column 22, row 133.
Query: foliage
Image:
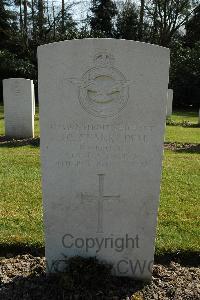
column 185, row 73
column 167, row 17
column 26, row 24
column 127, row 22
column 7, row 24
column 103, row 12
column 12, row 66
column 193, row 28
column 68, row 30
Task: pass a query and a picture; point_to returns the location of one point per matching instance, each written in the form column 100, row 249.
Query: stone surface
column 33, row 95
column 169, row 102
column 18, row 107
column 102, row 119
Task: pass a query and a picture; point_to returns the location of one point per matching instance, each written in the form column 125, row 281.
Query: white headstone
column 18, row 107
column 169, row 102
column 102, row 119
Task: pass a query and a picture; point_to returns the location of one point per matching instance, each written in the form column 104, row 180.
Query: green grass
column 20, row 209
column 21, row 200
column 179, row 214
column 182, row 134
column 189, row 116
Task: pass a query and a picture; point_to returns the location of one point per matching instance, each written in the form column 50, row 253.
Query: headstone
column 33, row 95
column 169, row 102
column 18, row 107
column 102, row 120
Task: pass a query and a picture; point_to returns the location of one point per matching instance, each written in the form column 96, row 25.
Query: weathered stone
column 102, row 119
column 18, row 95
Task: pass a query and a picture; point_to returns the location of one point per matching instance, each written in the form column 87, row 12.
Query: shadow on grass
column 10, row 142
column 184, row 258
column 182, row 147
column 190, row 149
column 185, row 113
column 185, row 124
column 20, row 249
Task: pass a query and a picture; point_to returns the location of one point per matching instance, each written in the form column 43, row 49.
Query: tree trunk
column 33, row 18
column 63, row 17
column 54, row 22
column 20, row 16
column 141, row 20
column 40, row 18
column 25, row 16
column 155, row 22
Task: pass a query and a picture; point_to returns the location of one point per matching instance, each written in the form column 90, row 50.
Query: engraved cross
column 100, row 198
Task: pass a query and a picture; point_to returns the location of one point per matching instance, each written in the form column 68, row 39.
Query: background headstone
column 169, row 102
column 18, row 107
column 102, row 120
column 33, row 95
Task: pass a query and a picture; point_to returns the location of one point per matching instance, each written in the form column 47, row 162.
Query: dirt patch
column 11, row 142
column 180, row 147
column 186, row 147
column 23, row 277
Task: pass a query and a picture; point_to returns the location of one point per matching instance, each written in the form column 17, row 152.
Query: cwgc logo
column 103, row 90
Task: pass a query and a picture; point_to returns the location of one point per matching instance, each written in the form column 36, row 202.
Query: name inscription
column 100, row 145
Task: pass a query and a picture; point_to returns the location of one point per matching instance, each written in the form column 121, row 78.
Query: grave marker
column 18, row 107
column 169, row 102
column 102, row 120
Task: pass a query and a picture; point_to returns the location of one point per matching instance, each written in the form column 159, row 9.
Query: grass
column 20, row 210
column 189, row 116
column 21, row 200
column 182, row 134
column 179, row 214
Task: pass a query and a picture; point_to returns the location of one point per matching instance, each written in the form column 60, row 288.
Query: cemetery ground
column 176, row 274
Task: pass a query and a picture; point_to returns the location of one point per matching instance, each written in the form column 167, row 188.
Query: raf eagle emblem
column 103, row 90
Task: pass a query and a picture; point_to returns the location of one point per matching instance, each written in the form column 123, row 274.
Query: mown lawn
column 179, row 214
column 20, row 185
column 178, row 226
column 188, row 116
column 182, row 134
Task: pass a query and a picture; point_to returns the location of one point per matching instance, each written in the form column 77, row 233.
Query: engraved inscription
column 101, row 145
column 100, row 199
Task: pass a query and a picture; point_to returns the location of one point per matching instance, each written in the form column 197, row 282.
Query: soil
column 23, row 277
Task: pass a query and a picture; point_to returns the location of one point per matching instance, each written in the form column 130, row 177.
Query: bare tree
column 25, row 16
column 63, row 17
column 40, row 19
column 19, row 3
column 167, row 18
column 141, row 20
